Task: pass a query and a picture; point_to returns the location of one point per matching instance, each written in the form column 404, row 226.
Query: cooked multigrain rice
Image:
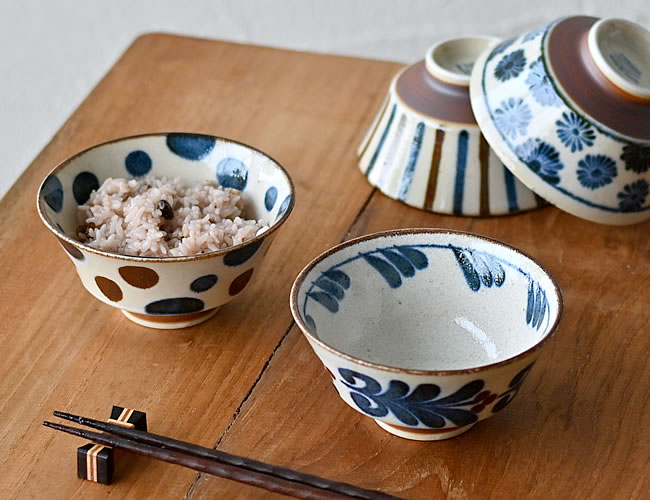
column 123, row 216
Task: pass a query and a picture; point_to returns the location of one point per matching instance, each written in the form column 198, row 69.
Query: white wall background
column 53, row 52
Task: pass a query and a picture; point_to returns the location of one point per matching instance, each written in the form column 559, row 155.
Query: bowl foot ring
column 170, row 322
column 419, row 434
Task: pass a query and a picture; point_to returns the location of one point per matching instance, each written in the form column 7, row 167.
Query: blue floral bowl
column 567, row 109
column 426, row 331
column 167, row 292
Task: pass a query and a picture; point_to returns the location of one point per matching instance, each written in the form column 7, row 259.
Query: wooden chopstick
column 218, row 463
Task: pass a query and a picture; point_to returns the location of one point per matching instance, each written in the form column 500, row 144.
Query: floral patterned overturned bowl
column 424, row 147
column 426, row 331
column 167, row 292
column 567, row 109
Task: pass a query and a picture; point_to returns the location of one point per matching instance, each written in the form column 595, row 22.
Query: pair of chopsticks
column 217, row 463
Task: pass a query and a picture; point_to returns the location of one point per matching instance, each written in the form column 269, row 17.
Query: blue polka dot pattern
column 284, row 207
column 270, row 198
column 232, row 173
column 204, row 283
column 241, row 255
column 53, row 193
column 190, row 146
column 84, row 183
column 177, row 305
column 138, row 163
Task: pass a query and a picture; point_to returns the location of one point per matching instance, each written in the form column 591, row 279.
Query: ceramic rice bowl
column 426, row 331
column 424, row 147
column 567, row 109
column 167, row 292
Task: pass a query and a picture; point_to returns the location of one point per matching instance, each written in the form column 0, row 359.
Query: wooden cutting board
column 246, row 381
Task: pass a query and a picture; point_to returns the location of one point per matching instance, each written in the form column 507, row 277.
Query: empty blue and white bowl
column 168, row 292
column 426, row 331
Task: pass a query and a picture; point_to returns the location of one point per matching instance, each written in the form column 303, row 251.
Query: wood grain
column 578, row 429
column 62, row 349
column 246, row 381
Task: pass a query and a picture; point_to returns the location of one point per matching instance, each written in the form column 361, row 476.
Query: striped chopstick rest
column 96, row 462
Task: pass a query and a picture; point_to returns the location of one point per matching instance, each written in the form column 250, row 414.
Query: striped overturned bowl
column 424, row 147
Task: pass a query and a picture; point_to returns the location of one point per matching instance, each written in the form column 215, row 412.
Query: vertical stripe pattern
column 433, row 170
column 373, row 160
column 511, row 190
column 373, row 128
column 439, row 167
column 123, row 419
column 483, row 155
column 91, row 462
column 461, row 166
column 407, row 177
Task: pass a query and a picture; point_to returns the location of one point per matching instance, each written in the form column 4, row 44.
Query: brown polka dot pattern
column 240, row 282
column 73, row 251
column 138, row 276
column 109, row 288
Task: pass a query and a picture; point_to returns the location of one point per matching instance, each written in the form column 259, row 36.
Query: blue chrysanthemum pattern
column 510, row 66
column 574, row 132
column 633, row 196
column 513, row 117
column 636, row 158
column 582, row 160
column 541, row 158
column 540, row 85
column 499, row 49
column 595, row 171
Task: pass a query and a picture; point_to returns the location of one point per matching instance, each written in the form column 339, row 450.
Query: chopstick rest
column 96, row 462
column 218, row 463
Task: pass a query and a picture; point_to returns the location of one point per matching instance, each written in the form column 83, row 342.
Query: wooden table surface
column 246, row 381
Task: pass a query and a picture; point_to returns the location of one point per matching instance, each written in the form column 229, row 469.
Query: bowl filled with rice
column 166, row 227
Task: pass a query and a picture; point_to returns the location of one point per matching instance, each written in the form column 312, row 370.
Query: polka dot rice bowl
column 168, row 292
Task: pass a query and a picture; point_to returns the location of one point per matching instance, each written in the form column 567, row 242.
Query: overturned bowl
column 167, row 292
column 424, row 147
column 426, row 331
column 567, row 109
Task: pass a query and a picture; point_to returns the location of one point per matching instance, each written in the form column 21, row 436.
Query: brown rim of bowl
column 185, row 258
column 293, row 298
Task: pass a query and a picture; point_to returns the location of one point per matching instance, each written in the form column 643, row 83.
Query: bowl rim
column 293, row 301
column 184, row 258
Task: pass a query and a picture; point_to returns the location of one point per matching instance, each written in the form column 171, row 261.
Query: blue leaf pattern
column 330, row 287
column 537, row 305
column 417, row 258
column 513, row 388
column 399, row 262
column 339, row 277
column 326, row 300
column 479, row 267
column 420, row 406
column 402, row 264
column 387, row 270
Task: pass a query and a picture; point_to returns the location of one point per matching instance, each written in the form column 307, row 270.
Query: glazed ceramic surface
column 567, row 109
column 426, row 331
column 168, row 292
column 424, row 147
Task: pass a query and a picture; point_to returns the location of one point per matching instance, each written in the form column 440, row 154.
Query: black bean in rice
column 125, row 216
